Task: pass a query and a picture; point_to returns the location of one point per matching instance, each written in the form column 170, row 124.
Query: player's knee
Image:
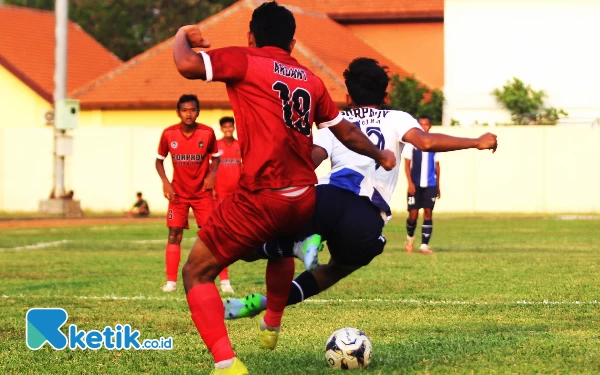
column 427, row 214
column 175, row 236
column 193, row 273
column 413, row 216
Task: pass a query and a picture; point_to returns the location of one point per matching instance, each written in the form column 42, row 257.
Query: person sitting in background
column 140, row 207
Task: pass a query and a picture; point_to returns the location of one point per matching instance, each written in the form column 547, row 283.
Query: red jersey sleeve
column 227, row 64
column 163, row 147
column 326, row 112
column 213, row 149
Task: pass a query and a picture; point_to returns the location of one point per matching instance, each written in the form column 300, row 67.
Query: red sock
column 280, row 274
column 207, row 313
column 224, row 275
column 172, row 259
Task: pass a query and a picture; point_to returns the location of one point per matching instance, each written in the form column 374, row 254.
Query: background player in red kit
column 275, row 101
column 228, row 176
column 191, row 145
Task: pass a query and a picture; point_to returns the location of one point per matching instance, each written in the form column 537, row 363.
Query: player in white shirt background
column 423, row 175
column 353, row 199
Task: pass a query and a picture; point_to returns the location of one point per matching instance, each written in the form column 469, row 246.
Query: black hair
column 425, row 117
column 225, row 119
column 186, row 98
column 366, row 81
column 273, row 25
column 139, row 194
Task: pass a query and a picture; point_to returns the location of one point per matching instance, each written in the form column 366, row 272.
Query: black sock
column 303, row 287
column 410, row 228
column 426, row 230
column 280, row 248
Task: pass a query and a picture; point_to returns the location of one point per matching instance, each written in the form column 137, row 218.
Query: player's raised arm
column 442, row 142
column 188, row 62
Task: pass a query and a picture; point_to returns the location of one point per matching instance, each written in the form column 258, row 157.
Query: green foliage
column 129, row 27
column 409, row 95
column 456, row 312
column 526, row 105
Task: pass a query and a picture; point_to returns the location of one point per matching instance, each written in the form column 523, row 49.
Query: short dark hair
column 273, row 25
column 139, row 194
column 226, row 119
column 425, row 117
column 366, row 81
column 186, row 98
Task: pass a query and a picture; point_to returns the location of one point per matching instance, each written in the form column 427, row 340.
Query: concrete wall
column 545, row 43
column 19, row 104
column 151, row 118
column 536, row 169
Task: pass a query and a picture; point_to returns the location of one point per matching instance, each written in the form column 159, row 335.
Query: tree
column 129, row 27
column 526, row 105
column 410, row 96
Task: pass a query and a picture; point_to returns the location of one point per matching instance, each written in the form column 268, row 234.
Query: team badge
column 174, row 144
column 201, row 144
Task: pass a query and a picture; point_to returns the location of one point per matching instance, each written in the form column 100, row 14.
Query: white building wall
column 550, row 44
column 536, row 169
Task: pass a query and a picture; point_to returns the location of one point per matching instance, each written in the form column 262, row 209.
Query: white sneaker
column 425, row 250
column 170, row 286
column 226, row 286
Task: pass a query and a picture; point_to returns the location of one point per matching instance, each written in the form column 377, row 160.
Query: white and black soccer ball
column 348, row 348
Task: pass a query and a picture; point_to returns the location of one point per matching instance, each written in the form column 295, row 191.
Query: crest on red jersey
column 201, row 144
column 174, row 144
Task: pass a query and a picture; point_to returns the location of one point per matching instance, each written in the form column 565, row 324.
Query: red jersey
column 228, row 174
column 190, row 157
column 275, row 101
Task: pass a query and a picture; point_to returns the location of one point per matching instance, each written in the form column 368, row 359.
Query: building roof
column 27, row 50
column 347, row 11
column 151, row 80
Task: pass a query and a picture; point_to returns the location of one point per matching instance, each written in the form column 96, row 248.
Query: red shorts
column 179, row 209
column 246, row 220
column 221, row 195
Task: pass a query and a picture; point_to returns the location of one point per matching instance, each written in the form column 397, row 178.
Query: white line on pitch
column 40, row 245
column 325, row 301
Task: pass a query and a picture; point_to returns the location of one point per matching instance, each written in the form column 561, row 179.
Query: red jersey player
column 275, row 101
column 191, row 145
column 228, row 176
column 230, row 168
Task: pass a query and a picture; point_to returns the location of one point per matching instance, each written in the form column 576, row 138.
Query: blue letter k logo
column 43, row 325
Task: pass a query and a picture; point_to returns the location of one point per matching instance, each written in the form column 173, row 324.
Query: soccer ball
column 348, row 348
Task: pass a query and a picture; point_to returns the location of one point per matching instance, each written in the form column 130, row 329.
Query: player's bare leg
column 411, row 225
column 304, row 286
column 426, row 230
column 327, row 275
column 172, row 258
column 199, row 274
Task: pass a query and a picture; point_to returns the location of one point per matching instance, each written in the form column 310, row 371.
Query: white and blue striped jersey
column 358, row 173
column 422, row 165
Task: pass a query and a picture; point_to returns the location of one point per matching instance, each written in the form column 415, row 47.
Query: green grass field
column 501, row 295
